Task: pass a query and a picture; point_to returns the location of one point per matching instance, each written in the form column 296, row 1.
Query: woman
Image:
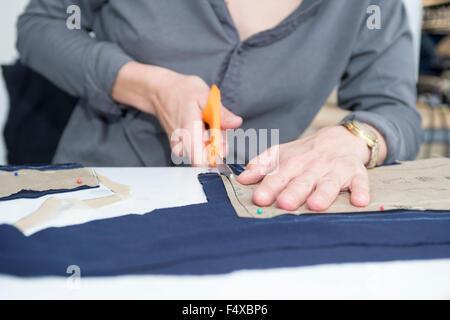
column 143, row 70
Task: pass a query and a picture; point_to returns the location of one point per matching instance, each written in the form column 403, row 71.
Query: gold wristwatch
column 370, row 137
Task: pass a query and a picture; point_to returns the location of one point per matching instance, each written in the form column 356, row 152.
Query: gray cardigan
column 278, row 78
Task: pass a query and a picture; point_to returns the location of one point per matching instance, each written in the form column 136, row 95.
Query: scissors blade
column 222, row 167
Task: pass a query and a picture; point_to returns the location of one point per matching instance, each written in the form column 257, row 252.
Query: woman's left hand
column 312, row 170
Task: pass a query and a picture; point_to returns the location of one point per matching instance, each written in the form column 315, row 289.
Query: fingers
column 320, row 193
column 296, row 184
column 327, row 189
column 224, row 143
column 193, row 142
column 360, row 190
column 274, row 184
column 260, row 166
column 193, row 139
column 229, row 120
column 297, row 191
column 312, row 171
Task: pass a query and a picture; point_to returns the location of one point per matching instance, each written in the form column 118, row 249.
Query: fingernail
column 263, row 198
column 234, row 119
column 318, row 198
column 363, row 198
column 246, row 173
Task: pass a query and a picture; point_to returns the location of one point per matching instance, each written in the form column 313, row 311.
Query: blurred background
column 430, row 23
column 33, row 113
column 9, row 11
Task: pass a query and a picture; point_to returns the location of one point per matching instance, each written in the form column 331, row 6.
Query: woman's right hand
column 177, row 101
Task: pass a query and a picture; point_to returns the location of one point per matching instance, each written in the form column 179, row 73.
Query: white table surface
column 168, row 187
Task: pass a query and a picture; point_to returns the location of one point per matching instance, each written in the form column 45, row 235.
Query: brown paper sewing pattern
column 36, row 180
column 52, row 206
column 415, row 185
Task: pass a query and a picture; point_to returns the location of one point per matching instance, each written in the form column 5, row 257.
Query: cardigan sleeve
column 73, row 59
column 379, row 83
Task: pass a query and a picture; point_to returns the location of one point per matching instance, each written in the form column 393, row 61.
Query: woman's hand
column 313, row 170
column 177, row 101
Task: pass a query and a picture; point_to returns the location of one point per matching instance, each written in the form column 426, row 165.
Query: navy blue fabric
column 31, row 194
column 210, row 239
column 43, row 167
column 236, row 168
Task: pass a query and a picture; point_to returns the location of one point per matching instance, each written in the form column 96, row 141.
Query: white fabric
column 392, row 280
column 151, row 188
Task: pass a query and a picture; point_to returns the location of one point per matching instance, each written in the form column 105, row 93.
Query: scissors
column 211, row 116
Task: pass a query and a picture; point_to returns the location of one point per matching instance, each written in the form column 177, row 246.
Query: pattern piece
column 209, row 238
column 52, row 205
column 415, row 185
column 37, row 181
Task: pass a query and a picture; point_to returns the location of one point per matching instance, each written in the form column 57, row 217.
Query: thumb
column 229, row 120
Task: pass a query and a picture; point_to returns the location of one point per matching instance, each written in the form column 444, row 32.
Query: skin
column 251, row 17
column 177, row 100
column 312, row 170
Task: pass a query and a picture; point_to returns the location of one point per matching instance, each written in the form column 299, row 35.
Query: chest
column 253, row 16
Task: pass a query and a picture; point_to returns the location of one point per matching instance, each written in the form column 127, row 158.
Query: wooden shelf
column 431, row 3
column 437, row 19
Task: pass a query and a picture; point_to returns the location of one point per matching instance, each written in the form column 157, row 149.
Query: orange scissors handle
column 211, row 116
